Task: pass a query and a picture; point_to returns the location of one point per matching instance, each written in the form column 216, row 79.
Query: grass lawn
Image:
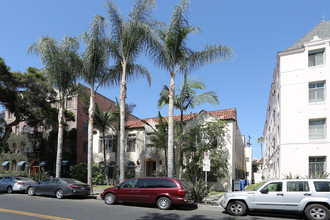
column 213, row 193
column 101, row 186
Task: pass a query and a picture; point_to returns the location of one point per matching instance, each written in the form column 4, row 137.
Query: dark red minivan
column 162, row 191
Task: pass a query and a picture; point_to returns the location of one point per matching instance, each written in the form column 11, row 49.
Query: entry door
column 150, row 168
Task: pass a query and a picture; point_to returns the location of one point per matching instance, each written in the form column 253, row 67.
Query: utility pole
column 249, row 142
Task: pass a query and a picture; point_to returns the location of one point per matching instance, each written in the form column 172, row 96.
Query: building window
column 317, row 129
column 316, row 166
column 110, row 144
column 26, row 129
column 85, row 126
column 130, row 170
column 69, row 103
column 247, row 159
column 131, row 140
column 10, row 115
column 85, row 147
column 316, row 91
column 316, row 57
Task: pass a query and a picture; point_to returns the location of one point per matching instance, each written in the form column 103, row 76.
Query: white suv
column 311, row 196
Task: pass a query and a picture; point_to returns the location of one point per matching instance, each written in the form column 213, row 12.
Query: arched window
column 130, row 170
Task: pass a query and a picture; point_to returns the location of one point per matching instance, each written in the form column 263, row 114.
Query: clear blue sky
column 256, row 30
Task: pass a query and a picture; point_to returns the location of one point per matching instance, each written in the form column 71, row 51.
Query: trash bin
column 242, row 184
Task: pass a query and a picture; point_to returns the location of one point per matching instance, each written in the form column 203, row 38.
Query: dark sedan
column 59, row 187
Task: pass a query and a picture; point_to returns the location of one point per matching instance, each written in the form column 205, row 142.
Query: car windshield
column 259, row 186
column 72, row 181
column 24, row 179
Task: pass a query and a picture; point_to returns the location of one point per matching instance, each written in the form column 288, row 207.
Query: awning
column 21, row 163
column 65, row 163
column 5, row 163
column 43, row 163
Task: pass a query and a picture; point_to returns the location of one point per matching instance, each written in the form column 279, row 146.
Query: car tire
column 317, row 211
column 236, row 208
column 110, row 199
column 9, row 189
column 164, row 203
column 59, row 194
column 30, row 191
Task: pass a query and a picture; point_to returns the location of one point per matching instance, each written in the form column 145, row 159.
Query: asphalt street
column 20, row 206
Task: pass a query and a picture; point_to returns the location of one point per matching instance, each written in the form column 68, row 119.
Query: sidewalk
column 209, row 201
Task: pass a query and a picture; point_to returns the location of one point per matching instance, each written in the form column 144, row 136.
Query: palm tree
column 62, row 65
column 261, row 140
column 170, row 51
column 187, row 98
column 96, row 74
column 103, row 121
column 127, row 41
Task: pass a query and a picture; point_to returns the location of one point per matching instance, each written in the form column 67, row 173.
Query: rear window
column 72, row 181
column 24, row 179
column 184, row 184
column 322, row 186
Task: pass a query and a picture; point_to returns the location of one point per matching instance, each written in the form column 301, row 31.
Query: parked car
column 157, row 190
column 10, row 184
column 59, row 187
column 308, row 196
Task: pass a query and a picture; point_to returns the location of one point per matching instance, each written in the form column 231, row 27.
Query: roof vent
column 315, row 38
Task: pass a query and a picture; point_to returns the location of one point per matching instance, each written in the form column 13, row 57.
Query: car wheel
column 164, row 203
column 317, row 211
column 9, row 189
column 59, row 194
column 110, row 199
column 30, row 191
column 237, row 208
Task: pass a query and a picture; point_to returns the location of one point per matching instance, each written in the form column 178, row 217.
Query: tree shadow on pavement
column 263, row 214
column 171, row 216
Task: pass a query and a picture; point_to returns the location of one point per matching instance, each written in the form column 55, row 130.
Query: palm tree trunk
column 180, row 149
column 171, row 126
column 122, row 123
column 59, row 142
column 91, row 111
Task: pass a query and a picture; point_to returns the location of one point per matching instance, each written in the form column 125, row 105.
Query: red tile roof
column 227, row 114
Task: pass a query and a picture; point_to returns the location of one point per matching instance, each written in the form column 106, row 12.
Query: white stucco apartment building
column 296, row 136
column 142, row 160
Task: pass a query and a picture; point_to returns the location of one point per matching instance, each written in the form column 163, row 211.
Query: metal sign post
column 206, row 165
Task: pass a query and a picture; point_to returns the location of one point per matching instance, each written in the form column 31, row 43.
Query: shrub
column 200, row 190
column 79, row 172
column 98, row 174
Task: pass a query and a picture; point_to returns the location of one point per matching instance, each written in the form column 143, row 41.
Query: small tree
column 209, row 137
column 255, row 166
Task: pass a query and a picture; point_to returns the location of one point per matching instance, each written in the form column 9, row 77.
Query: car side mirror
column 118, row 186
column 264, row 191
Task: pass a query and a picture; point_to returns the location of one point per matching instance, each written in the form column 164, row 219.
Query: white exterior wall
column 292, row 149
column 248, row 159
